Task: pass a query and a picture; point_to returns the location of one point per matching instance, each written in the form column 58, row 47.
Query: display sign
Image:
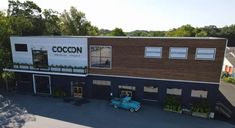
column 65, row 51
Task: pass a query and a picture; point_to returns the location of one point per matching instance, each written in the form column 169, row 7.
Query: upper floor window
column 205, row 53
column 178, row 53
column 21, row 47
column 100, row 56
column 40, row 59
column 153, row 52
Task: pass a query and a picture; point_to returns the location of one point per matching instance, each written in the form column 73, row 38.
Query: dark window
column 21, row 47
column 40, row 59
column 100, row 56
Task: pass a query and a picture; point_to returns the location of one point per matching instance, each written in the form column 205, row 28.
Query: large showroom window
column 100, row 56
column 40, row 59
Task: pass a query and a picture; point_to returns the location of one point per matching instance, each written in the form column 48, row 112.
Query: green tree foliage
column 5, row 33
column 183, row 31
column 229, row 33
column 212, row 30
column 25, row 18
column 74, row 22
column 52, row 22
column 117, row 32
column 7, row 76
column 146, row 33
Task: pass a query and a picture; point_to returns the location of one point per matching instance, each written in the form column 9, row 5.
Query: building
column 229, row 61
column 148, row 69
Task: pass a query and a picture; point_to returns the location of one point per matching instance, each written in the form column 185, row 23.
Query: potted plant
column 24, row 66
column 16, row 65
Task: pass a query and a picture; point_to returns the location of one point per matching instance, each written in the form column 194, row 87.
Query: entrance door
column 42, row 84
column 126, row 93
column 77, row 91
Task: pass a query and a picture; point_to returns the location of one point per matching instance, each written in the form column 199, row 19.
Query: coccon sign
column 65, row 49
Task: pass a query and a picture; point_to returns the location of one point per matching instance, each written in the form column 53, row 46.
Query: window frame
column 178, row 58
column 145, row 56
column 200, row 96
column 15, row 45
column 212, row 59
column 111, row 56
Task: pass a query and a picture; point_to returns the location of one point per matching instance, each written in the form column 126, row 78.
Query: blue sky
column 147, row 14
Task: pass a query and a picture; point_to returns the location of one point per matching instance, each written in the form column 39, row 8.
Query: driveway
column 46, row 112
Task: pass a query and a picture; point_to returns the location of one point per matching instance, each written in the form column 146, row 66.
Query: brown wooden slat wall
column 128, row 59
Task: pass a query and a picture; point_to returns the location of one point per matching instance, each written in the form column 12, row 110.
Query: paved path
column 228, row 91
column 47, row 112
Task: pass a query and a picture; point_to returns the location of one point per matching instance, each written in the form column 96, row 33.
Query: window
column 174, row 91
column 151, row 89
column 153, row 52
column 101, row 82
column 199, row 93
column 21, row 47
column 178, row 53
column 126, row 87
column 205, row 53
column 100, row 56
column 40, row 59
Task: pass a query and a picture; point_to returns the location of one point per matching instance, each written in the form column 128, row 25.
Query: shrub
column 201, row 106
column 172, row 103
column 59, row 92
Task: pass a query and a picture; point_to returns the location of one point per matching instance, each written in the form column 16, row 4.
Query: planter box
column 24, row 67
column 66, row 69
column 55, row 69
column 198, row 114
column 169, row 110
column 15, row 66
column 31, row 67
column 78, row 70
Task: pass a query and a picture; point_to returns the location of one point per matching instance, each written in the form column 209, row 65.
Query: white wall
column 226, row 62
column 46, row 43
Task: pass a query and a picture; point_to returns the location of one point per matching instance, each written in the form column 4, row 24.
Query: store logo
column 64, row 49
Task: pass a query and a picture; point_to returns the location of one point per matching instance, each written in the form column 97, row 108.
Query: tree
column 6, row 76
column 199, row 32
column 183, row 31
column 5, row 33
column 25, row 18
column 211, row 30
column 229, row 33
column 52, row 22
column 117, row 32
column 74, row 22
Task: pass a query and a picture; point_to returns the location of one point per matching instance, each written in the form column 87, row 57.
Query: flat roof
column 124, row 37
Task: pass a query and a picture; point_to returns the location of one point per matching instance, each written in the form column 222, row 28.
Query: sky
column 146, row 14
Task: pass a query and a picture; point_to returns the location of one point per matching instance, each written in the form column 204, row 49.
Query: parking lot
column 46, row 112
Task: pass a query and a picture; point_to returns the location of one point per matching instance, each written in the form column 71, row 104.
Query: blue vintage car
column 126, row 103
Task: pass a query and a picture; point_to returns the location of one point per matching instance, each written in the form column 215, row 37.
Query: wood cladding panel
column 128, row 59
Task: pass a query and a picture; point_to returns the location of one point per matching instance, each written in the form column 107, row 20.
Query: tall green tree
column 117, row 32
column 5, row 32
column 74, row 22
column 183, row 31
column 25, row 18
column 211, row 30
column 52, row 22
column 229, row 33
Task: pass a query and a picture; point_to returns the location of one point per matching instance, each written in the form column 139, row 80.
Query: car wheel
column 115, row 106
column 132, row 109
